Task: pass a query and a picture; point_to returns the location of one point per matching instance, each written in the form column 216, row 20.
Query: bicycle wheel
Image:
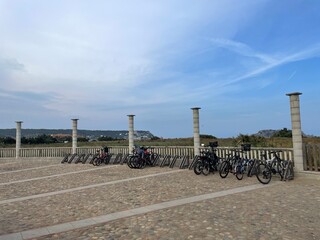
column 141, row 163
column 263, row 173
column 135, row 162
column 129, row 162
column 98, row 161
column 239, row 172
column 206, row 168
column 224, row 169
column 198, row 167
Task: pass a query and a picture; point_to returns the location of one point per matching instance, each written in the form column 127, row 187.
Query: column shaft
column 131, row 133
column 196, row 130
column 74, row 135
column 296, row 130
column 18, row 138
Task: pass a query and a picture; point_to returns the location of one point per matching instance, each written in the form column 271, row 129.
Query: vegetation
column 283, row 133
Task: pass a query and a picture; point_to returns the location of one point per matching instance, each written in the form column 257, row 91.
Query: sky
column 101, row 60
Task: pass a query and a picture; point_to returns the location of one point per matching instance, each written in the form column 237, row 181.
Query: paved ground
column 48, row 200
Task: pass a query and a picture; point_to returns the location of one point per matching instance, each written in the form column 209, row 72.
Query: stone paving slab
column 76, row 179
column 20, row 164
column 286, row 210
column 107, row 199
column 273, row 213
column 41, row 171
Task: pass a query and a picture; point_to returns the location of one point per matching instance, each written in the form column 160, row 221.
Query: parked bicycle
column 208, row 160
column 269, row 167
column 102, row 156
column 229, row 164
column 245, row 166
column 141, row 157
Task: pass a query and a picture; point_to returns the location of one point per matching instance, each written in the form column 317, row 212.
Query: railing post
column 74, row 135
column 18, row 138
column 196, row 131
column 131, row 132
column 296, row 130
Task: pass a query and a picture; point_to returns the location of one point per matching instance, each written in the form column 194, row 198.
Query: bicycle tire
column 129, row 162
column 98, row 161
column 224, row 169
column 197, row 169
column 239, row 172
column 135, row 162
column 142, row 163
column 206, row 168
column 264, row 173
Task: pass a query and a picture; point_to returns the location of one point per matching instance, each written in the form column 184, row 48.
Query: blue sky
column 102, row 60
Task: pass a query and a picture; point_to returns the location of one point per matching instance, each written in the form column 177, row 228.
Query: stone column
column 196, row 130
column 131, row 133
column 74, row 135
column 296, row 130
column 18, row 138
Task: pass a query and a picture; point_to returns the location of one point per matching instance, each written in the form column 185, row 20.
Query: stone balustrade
column 286, row 154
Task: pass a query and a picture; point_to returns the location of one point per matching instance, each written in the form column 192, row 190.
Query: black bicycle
column 229, row 164
column 244, row 165
column 210, row 159
column 269, row 167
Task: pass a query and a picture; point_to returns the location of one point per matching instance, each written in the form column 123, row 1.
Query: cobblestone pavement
column 51, row 194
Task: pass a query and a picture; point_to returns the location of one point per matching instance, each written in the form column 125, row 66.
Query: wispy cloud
column 268, row 61
column 241, row 49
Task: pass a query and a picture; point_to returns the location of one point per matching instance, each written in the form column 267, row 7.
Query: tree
column 9, row 140
column 105, row 138
column 207, row 136
column 283, row 133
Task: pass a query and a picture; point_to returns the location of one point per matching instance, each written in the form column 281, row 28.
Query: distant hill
column 91, row 134
column 266, row 133
column 269, row 133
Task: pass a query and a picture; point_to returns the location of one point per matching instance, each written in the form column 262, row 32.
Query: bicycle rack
column 109, row 156
column 85, row 158
column 118, row 159
column 65, row 159
column 72, row 157
column 193, row 161
column 79, row 158
column 93, row 157
column 173, row 162
column 124, row 159
column 155, row 161
column 184, row 163
column 165, row 161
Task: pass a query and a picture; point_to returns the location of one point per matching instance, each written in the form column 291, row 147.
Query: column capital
column 294, row 93
column 19, row 122
column 196, row 108
column 74, row 119
column 130, row 115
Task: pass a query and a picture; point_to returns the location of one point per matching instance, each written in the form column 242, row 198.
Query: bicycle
column 102, row 156
column 210, row 160
column 229, row 164
column 270, row 167
column 142, row 157
column 244, row 164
